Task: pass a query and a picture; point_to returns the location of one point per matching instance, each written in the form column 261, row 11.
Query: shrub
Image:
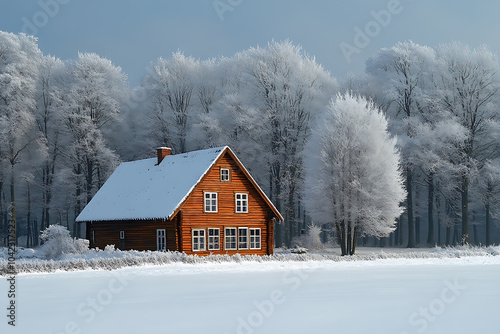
column 311, row 240
column 57, row 241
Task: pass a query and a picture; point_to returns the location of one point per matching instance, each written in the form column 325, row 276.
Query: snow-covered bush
column 57, row 241
column 310, row 240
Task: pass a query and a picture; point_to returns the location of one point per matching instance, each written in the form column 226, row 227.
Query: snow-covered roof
column 144, row 190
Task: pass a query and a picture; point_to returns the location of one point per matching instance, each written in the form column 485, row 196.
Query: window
column 210, row 202
column 92, row 240
column 160, row 240
column 241, row 203
column 122, row 235
column 243, row 238
column 255, row 238
column 224, row 174
column 198, row 240
column 213, row 239
column 230, row 234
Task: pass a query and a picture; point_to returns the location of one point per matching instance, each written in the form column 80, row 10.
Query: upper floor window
column 224, row 174
column 210, row 202
column 241, row 203
column 122, row 234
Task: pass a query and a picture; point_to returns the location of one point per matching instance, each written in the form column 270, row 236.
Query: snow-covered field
column 428, row 295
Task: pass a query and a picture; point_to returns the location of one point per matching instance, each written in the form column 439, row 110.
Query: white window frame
column 213, row 240
column 122, row 235
column 254, row 237
column 224, row 174
column 201, row 239
column 241, row 236
column 161, row 240
column 239, row 202
column 209, row 200
column 228, row 237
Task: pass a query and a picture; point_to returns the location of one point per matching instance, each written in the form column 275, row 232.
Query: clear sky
column 132, row 33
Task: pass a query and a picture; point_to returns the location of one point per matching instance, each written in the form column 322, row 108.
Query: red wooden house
column 202, row 202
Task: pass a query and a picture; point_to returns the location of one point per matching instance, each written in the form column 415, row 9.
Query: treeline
column 66, row 125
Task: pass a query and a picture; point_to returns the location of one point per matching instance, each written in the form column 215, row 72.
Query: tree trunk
column 411, row 227
column 78, row 193
column 354, row 240
column 474, row 228
column 28, row 221
column 35, row 233
column 488, row 222
column 417, row 215
column 341, row 236
column 276, row 199
column 291, row 214
column 396, row 232
column 488, row 214
column 465, row 210
column 89, row 179
column 448, row 236
column 349, row 238
column 456, row 238
column 3, row 230
column 430, row 209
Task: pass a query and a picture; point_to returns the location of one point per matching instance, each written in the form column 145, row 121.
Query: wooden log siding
column 195, row 217
column 141, row 234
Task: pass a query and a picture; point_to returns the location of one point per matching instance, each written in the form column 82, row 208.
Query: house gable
column 240, row 180
column 259, row 216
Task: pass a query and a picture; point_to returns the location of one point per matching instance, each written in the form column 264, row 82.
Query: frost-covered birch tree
column 50, row 125
column 401, row 72
column 19, row 59
column 279, row 92
column 93, row 103
column 170, row 84
column 353, row 175
column 469, row 85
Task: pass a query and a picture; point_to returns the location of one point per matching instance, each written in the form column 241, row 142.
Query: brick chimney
column 163, row 152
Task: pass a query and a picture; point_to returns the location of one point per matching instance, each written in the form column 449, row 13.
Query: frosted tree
column 401, row 72
column 490, row 183
column 93, row 103
column 469, row 85
column 278, row 93
column 353, row 176
column 436, row 142
column 50, row 125
column 169, row 85
column 211, row 121
column 19, row 57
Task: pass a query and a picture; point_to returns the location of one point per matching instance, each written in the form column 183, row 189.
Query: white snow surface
column 144, row 190
column 401, row 296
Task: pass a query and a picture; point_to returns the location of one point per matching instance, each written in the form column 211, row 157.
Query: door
column 161, row 241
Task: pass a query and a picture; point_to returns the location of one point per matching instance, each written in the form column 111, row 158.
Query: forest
column 65, row 125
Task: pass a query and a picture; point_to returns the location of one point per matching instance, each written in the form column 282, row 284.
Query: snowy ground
column 446, row 295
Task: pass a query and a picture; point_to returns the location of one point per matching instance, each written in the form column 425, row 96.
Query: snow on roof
column 143, row 190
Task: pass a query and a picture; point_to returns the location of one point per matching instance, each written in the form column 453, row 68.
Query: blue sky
column 132, row 33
